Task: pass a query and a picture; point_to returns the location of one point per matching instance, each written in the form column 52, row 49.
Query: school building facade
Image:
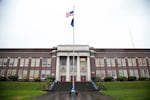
column 81, row 61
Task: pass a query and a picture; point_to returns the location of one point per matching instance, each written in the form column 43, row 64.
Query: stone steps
column 79, row 86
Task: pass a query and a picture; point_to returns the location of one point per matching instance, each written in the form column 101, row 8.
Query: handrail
column 51, row 86
column 94, row 85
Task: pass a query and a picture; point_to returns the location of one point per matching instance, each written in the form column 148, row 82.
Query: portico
column 64, row 63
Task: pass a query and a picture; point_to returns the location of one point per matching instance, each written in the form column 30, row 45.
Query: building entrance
column 83, row 78
column 72, row 78
column 63, row 78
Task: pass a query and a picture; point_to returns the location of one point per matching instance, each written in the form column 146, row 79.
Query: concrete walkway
column 81, row 96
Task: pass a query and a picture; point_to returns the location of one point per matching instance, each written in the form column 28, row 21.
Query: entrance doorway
column 63, row 78
column 83, row 78
column 72, row 78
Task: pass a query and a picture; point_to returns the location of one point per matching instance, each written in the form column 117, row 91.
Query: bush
column 37, row 80
column 101, row 86
column 51, row 79
column 13, row 77
column 46, row 85
column 97, row 79
column 121, row 78
column 3, row 78
column 143, row 78
column 131, row 78
column 26, row 80
column 106, row 79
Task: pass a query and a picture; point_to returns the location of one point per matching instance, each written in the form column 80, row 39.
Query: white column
column 88, row 69
column 78, row 69
column 57, row 69
column 68, row 69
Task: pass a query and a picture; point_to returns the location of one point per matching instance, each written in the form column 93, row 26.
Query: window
column 83, row 64
column 114, row 74
column 102, row 74
column 36, row 73
column 13, row 72
column 144, row 73
column 131, row 72
column 35, row 62
column 134, row 62
column 8, row 72
column 102, row 64
column 134, row 72
column 31, row 75
column 148, row 61
column 2, row 72
column 20, row 72
column 45, row 74
column 46, row 62
column 109, row 72
column 121, row 72
column 24, row 62
column 113, row 62
column 3, row 62
column 75, row 61
column 98, row 73
column 97, row 62
column 119, row 62
column 25, row 74
column 142, row 62
column 129, row 62
column 13, row 62
column 123, row 62
column 110, row 62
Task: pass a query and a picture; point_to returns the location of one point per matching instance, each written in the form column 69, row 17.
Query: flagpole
column 73, row 81
column 133, row 45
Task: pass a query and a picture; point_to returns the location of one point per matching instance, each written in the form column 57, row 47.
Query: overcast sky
column 98, row 23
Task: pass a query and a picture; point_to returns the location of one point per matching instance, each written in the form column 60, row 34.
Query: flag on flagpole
column 68, row 14
column 72, row 22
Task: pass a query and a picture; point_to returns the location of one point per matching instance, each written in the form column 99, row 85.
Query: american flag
column 68, row 14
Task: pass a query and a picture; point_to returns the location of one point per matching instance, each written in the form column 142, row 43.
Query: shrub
column 37, row 79
column 143, row 78
column 3, row 78
column 46, row 85
column 121, row 78
column 13, row 77
column 26, row 80
column 97, row 79
column 131, row 78
column 51, row 79
column 106, row 79
column 100, row 86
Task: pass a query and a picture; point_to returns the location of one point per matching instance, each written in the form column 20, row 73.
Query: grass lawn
column 20, row 90
column 136, row 90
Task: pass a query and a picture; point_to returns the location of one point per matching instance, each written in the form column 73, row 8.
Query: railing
column 94, row 86
column 52, row 86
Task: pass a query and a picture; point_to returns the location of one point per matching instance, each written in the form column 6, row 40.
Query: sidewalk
column 81, row 96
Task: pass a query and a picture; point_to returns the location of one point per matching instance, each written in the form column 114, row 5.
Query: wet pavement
column 66, row 96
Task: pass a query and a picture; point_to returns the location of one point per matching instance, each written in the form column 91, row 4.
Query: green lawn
column 20, row 90
column 136, row 90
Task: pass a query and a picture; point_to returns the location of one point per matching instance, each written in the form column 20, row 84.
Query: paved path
column 80, row 96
